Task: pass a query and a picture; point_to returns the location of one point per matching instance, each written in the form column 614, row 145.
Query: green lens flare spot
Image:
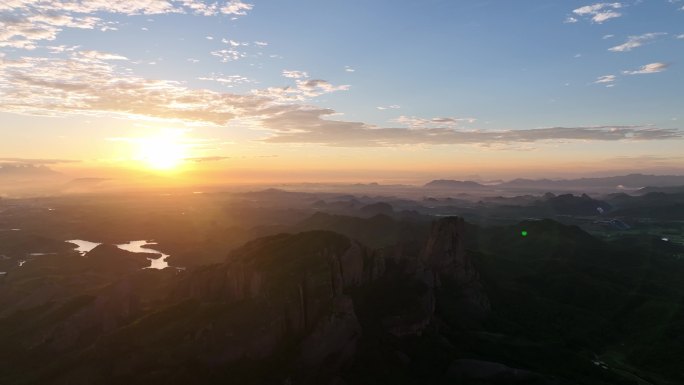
column 523, row 233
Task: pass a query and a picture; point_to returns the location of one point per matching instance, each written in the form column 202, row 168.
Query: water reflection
column 132, row 246
column 83, row 246
column 141, row 247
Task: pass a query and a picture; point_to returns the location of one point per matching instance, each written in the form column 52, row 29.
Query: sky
column 343, row 90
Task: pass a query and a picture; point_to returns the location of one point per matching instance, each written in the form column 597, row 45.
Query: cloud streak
column 651, row 68
column 636, row 41
column 295, row 74
column 597, row 13
column 608, row 80
column 311, row 126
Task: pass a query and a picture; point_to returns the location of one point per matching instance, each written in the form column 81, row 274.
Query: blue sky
column 383, row 83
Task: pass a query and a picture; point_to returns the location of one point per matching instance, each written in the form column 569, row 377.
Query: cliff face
column 446, row 257
column 306, row 280
column 441, row 273
column 299, row 284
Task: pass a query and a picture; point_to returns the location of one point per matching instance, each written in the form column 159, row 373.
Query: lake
column 83, row 246
column 132, row 246
column 142, row 247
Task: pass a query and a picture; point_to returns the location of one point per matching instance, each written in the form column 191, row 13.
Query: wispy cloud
column 311, row 126
column 390, row 107
column 636, row 41
column 228, row 80
column 50, row 86
column 234, row 43
column 236, row 7
column 23, row 23
column 416, row 122
column 58, row 86
column 303, row 90
column 295, row 74
column 36, row 162
column 99, row 55
column 204, row 159
column 678, row 3
column 228, row 55
column 608, row 80
column 648, row 69
column 599, row 12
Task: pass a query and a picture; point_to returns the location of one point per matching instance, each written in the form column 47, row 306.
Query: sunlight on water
column 83, row 246
column 140, row 247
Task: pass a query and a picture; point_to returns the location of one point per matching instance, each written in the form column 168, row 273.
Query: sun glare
column 162, row 152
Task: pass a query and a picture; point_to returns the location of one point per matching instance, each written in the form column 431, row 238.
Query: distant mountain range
column 454, row 184
column 631, row 181
column 11, row 171
column 664, row 189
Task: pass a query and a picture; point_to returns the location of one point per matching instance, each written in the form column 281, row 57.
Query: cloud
column 391, row 107
column 303, row 90
column 416, row 122
column 311, row 126
column 599, row 12
column 680, row 36
column 233, row 43
column 204, row 159
column 52, row 86
column 608, row 80
column 36, row 162
column 295, row 74
column 636, row 41
column 315, row 87
column 570, row 20
column 227, row 55
column 23, row 23
column 68, row 86
column 226, row 80
column 607, row 36
column 648, row 69
column 349, row 69
column 99, row 55
column 680, row 8
column 236, row 7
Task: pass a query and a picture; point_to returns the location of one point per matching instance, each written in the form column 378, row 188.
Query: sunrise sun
column 162, row 152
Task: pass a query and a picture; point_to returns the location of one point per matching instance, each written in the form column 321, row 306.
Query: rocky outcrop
column 297, row 286
column 222, row 283
column 441, row 271
column 445, row 255
column 333, row 341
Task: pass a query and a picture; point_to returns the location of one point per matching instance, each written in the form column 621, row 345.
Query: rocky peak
column 445, row 255
column 445, row 245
